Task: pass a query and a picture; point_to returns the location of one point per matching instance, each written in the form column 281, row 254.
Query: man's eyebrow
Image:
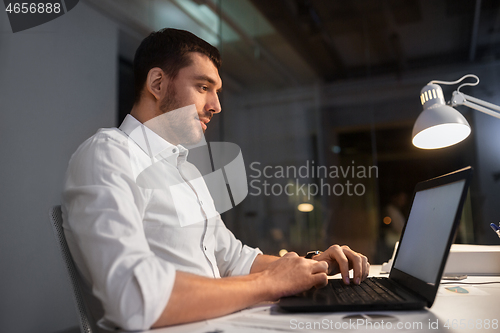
column 204, row 78
column 207, row 79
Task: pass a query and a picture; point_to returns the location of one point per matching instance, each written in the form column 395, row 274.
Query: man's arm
column 261, row 262
column 196, row 298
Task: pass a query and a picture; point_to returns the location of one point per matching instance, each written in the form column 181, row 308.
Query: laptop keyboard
column 369, row 291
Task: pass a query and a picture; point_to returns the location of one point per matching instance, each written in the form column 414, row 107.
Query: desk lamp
column 440, row 125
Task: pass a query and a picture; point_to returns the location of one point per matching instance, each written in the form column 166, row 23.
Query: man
column 153, row 256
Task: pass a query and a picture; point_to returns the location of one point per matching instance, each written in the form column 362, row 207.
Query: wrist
column 265, row 287
column 262, row 262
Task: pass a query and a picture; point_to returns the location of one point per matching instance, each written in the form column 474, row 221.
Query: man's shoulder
column 105, row 153
column 110, row 135
column 106, row 143
column 104, row 138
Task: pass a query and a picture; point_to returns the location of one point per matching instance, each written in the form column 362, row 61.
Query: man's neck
column 144, row 114
column 144, row 110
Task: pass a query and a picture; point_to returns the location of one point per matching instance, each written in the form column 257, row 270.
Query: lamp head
column 439, row 125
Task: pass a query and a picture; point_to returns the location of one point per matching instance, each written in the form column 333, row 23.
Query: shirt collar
column 150, row 142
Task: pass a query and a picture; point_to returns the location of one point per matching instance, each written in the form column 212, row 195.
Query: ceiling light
column 305, row 207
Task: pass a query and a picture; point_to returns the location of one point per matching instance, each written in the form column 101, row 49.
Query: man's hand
column 341, row 259
column 292, row 274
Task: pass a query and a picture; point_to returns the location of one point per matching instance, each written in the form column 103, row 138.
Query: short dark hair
column 168, row 49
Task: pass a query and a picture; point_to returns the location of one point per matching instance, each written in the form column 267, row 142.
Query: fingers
column 345, row 258
column 321, row 280
column 358, row 264
column 320, row 270
column 315, row 267
column 367, row 268
column 319, row 267
column 312, row 273
column 337, row 254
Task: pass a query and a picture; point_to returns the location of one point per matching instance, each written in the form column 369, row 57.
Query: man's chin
column 193, row 140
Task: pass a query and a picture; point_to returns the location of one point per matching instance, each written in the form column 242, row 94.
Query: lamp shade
column 439, row 125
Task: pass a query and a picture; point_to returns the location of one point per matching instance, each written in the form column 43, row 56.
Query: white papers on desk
column 257, row 319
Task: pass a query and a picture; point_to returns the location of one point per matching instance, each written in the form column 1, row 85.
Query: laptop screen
column 426, row 234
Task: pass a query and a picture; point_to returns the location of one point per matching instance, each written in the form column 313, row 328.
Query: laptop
column 419, row 262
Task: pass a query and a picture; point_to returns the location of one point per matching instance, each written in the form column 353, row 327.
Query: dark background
column 332, row 82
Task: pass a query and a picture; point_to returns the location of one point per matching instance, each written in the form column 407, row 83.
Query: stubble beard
column 183, row 128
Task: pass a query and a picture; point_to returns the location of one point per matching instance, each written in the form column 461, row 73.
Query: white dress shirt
column 134, row 212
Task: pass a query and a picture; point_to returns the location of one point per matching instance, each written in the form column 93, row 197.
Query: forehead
column 201, row 67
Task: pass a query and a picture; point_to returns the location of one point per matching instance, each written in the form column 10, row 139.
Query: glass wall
column 321, row 97
column 331, row 161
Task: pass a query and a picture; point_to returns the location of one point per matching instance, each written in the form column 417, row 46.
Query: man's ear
column 156, row 81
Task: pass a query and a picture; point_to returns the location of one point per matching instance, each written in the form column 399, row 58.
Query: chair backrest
column 87, row 325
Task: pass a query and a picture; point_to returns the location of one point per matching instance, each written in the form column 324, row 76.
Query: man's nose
column 213, row 104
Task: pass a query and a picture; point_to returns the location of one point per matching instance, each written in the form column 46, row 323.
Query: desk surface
column 475, row 311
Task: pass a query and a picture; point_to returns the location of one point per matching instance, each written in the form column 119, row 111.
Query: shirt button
column 205, row 248
column 174, row 150
column 201, row 203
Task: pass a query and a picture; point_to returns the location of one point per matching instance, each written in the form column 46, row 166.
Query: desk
column 461, row 312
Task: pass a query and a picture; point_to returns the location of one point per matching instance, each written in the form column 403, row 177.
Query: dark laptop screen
column 427, row 231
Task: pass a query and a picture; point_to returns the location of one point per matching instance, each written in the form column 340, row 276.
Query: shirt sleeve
column 102, row 210
column 233, row 258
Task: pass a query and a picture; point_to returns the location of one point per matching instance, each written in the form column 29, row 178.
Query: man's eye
column 204, row 88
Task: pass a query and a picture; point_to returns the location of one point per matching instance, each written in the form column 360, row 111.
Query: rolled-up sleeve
column 102, row 213
column 233, row 258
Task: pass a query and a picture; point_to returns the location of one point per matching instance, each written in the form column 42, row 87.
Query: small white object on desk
column 386, row 266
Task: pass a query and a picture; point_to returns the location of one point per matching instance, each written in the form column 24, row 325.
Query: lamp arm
column 458, row 81
column 475, row 103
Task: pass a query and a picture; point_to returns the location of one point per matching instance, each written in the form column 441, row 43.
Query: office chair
column 87, row 325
